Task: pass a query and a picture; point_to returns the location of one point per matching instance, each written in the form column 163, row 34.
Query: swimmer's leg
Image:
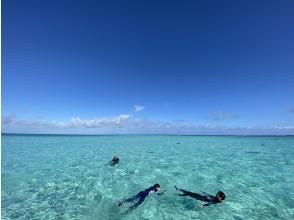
column 187, row 193
column 138, row 203
column 132, row 199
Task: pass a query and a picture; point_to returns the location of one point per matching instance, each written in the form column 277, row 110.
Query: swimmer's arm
column 160, row 193
column 206, row 204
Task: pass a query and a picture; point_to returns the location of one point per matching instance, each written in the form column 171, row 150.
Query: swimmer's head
column 220, row 196
column 156, row 186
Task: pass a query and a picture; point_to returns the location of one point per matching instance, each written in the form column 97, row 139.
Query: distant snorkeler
column 141, row 196
column 209, row 199
column 114, row 160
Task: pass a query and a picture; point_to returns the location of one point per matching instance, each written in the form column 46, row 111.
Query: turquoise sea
column 69, row 177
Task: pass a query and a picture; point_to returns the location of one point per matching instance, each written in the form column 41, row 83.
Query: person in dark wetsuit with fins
column 141, row 196
column 209, row 199
column 114, row 160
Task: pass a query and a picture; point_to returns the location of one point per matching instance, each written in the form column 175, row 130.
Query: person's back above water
column 114, row 160
column 209, row 199
column 141, row 196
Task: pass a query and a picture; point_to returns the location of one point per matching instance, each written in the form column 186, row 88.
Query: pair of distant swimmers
column 114, row 161
column 142, row 195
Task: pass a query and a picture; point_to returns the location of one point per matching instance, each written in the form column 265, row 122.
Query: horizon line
column 133, row 134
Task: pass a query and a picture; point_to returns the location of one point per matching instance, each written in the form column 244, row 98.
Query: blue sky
column 191, row 67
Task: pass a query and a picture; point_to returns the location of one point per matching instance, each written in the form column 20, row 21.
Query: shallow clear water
column 69, row 177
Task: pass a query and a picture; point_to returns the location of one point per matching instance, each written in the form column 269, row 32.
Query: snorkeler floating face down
column 139, row 198
column 209, row 199
column 115, row 160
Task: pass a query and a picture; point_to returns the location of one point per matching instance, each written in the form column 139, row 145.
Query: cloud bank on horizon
column 132, row 124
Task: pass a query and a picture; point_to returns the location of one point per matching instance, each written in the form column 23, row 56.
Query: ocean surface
column 70, row 177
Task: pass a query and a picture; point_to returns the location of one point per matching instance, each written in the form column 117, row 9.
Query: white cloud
column 139, row 108
column 77, row 122
column 117, row 121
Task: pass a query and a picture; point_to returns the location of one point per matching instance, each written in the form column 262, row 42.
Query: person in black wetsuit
column 209, row 199
column 114, row 160
column 141, row 196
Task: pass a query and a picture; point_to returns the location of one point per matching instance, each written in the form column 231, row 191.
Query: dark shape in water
column 139, row 198
column 252, row 152
column 178, row 143
column 209, row 199
column 114, row 160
